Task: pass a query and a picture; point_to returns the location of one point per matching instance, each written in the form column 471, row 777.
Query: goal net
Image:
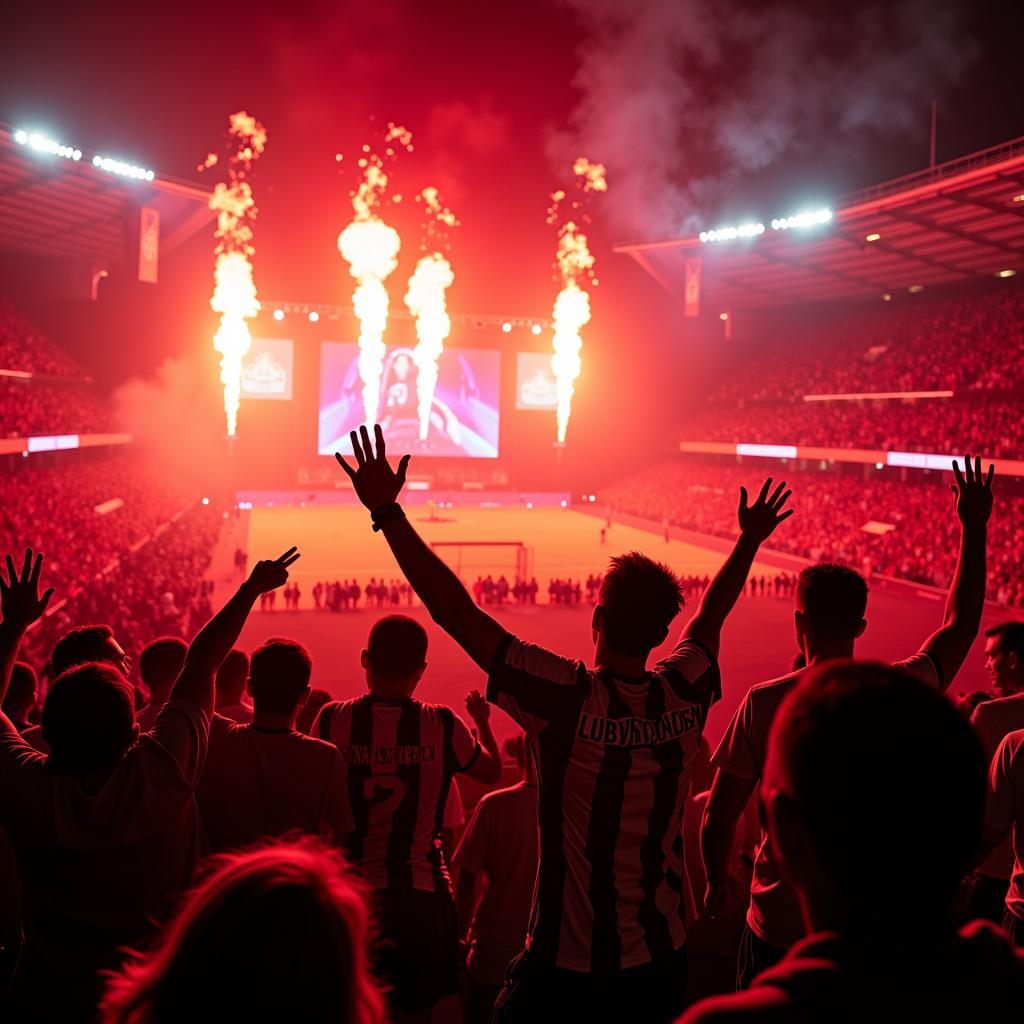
column 473, row 558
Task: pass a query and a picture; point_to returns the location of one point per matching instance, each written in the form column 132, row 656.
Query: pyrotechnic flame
column 370, row 247
column 575, row 264
column 425, row 298
column 234, row 293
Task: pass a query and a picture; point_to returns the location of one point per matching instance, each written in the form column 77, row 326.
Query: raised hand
column 376, row 483
column 973, row 493
column 19, row 594
column 272, row 573
column 758, row 521
column 478, row 708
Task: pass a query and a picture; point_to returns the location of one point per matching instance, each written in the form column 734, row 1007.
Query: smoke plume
column 681, row 98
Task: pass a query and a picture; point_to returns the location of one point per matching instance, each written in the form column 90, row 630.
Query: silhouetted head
column 231, row 677
column 279, row 672
column 280, row 932
column 637, row 602
column 310, row 709
column 830, row 603
column 89, row 719
column 161, row 663
column 1004, row 657
column 395, row 656
column 21, row 693
column 873, row 792
column 88, row 643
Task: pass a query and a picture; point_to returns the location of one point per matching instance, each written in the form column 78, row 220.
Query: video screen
column 535, row 381
column 267, row 369
column 463, row 414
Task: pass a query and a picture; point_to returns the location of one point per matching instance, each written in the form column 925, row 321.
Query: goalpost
column 472, row 558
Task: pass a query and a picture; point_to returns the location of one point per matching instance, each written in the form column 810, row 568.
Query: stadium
column 188, row 356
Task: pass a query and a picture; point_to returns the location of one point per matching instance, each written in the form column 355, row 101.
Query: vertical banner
column 692, row 291
column 149, row 244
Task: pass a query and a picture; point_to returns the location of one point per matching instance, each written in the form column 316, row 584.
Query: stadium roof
column 953, row 222
column 58, row 204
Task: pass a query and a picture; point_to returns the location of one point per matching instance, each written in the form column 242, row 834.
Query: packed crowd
column 327, row 894
column 29, row 408
column 24, row 348
column 880, row 525
column 952, row 343
column 928, row 425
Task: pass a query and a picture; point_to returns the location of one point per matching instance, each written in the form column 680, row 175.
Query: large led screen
column 463, row 414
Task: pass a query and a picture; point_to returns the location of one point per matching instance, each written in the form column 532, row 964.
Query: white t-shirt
column 1004, row 811
column 100, row 870
column 774, row 912
column 992, row 720
column 258, row 784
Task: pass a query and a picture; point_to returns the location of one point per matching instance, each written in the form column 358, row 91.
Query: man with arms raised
column 105, row 827
column 615, row 747
column 830, row 605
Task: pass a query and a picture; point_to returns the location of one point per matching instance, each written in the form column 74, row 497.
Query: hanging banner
column 149, row 244
column 691, row 295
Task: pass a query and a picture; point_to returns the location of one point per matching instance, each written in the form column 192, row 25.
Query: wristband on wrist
column 386, row 514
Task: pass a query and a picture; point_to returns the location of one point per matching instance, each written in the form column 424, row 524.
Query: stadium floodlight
column 806, row 219
column 506, row 327
column 42, row 144
column 125, row 170
column 751, row 229
column 278, row 314
column 313, row 316
column 1006, row 273
column 536, row 328
column 873, row 237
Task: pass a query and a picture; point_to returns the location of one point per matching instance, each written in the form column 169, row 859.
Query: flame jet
column 370, row 247
column 234, row 291
column 575, row 265
column 426, row 300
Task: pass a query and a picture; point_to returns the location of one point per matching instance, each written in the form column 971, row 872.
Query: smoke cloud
column 681, row 98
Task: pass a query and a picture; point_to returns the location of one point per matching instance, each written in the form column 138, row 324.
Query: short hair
column 232, row 674
column 397, row 647
column 833, row 599
column 162, row 660
column 79, row 645
column 24, row 685
column 279, row 672
column 1010, row 637
column 887, row 777
column 89, row 718
column 639, row 597
column 308, row 712
column 291, row 922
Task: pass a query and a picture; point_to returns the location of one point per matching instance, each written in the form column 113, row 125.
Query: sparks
column 425, row 298
column 234, row 292
column 370, row 247
column 575, row 265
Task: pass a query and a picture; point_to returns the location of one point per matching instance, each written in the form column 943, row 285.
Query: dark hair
column 1010, row 636
column 81, row 644
column 639, row 598
column 232, row 674
column 833, row 599
column 279, row 673
column 887, row 778
column 88, row 718
column 24, row 685
column 289, row 924
column 161, row 661
column 397, row 647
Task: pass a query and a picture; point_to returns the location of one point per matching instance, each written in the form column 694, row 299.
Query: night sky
column 489, row 91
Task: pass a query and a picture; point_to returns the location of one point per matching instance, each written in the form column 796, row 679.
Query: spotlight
column 206, row 501
column 313, row 316
column 506, row 327
column 873, row 237
column 278, row 314
column 536, row 328
column 1006, row 273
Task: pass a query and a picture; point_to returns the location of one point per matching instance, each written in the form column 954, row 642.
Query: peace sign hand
column 271, row 574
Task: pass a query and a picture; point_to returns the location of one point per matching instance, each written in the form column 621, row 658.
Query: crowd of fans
column 880, row 525
column 925, row 425
column 24, row 348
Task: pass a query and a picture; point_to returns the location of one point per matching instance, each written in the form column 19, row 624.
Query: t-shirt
column 100, row 870
column 258, row 783
column 992, row 720
column 501, row 844
column 240, row 712
column 774, row 912
column 975, row 975
column 454, row 810
column 614, row 758
column 1004, row 811
column 398, row 758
